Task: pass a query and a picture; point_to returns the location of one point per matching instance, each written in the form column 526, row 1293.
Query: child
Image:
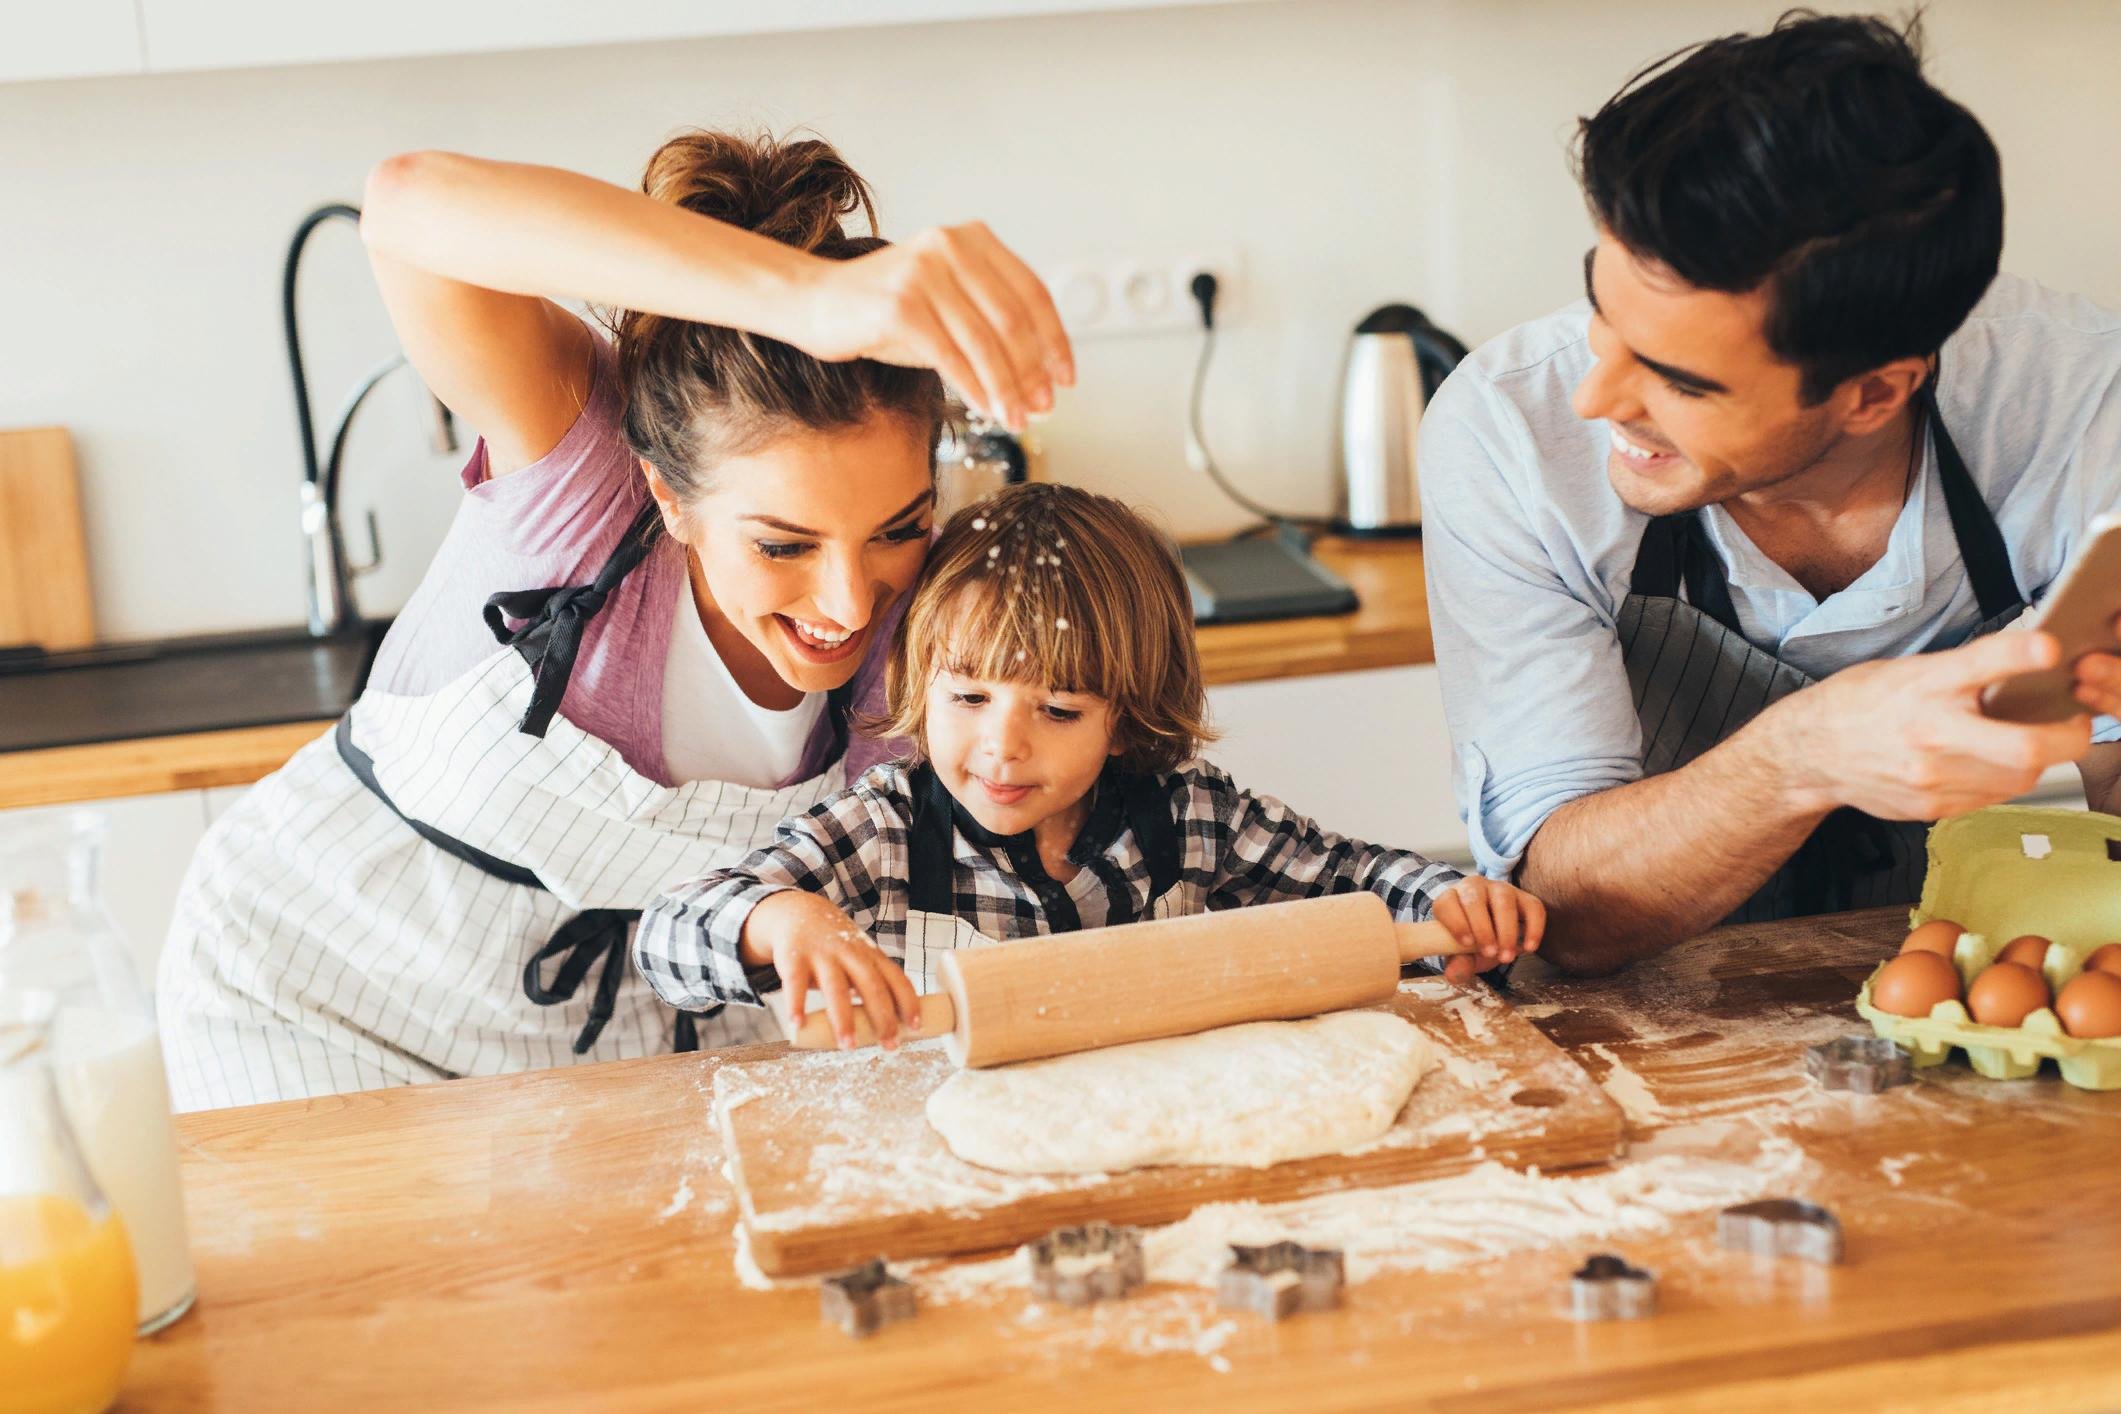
column 1046, row 670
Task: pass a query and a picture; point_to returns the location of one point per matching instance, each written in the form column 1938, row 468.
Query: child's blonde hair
column 1049, row 584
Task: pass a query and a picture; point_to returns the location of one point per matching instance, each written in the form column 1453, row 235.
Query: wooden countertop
column 563, row 1241
column 1391, row 629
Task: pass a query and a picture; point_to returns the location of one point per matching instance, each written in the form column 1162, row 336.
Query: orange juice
column 66, row 1306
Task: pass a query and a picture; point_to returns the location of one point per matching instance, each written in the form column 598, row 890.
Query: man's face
column 1701, row 410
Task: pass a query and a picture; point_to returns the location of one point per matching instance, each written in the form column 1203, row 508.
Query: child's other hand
column 1496, row 920
column 812, row 943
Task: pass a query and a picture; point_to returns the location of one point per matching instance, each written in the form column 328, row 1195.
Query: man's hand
column 1905, row 739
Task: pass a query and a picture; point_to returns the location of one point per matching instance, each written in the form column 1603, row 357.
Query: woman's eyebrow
column 911, row 508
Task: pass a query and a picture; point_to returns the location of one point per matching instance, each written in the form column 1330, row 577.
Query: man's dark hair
column 1815, row 160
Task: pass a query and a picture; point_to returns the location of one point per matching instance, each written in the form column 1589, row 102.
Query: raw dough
column 1248, row 1095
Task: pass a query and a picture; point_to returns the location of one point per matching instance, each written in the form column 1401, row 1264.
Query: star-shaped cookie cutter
column 1865, row 1064
column 1280, row 1279
column 1078, row 1265
column 1781, row 1227
column 865, row 1298
column 1606, row 1288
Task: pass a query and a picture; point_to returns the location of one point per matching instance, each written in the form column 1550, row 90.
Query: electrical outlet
column 1116, row 295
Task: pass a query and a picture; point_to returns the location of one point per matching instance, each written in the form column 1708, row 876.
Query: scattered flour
column 679, row 1201
column 1471, row 1015
column 1892, row 1168
column 1486, row 1213
column 1629, row 1090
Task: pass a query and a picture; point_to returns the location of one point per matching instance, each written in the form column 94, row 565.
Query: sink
column 119, row 691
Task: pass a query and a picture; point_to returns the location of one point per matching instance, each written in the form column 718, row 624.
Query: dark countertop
column 121, row 692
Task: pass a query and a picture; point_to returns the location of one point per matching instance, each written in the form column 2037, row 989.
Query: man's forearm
column 1630, row 871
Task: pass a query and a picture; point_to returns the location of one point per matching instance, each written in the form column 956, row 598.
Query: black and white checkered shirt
column 1236, row 849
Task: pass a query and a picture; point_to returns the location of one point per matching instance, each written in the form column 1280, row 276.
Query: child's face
column 1015, row 754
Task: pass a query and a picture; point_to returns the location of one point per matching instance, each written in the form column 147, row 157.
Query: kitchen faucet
column 330, row 578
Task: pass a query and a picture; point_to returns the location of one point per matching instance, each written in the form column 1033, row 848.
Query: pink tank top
column 554, row 523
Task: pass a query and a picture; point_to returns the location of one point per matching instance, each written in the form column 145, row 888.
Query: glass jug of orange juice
column 102, row 1044
column 67, row 1290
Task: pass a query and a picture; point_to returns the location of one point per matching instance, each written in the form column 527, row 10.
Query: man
column 1716, row 556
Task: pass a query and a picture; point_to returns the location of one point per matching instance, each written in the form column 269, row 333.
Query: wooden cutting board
column 43, row 557
column 834, row 1161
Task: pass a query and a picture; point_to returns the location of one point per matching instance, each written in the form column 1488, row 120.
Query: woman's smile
column 822, row 643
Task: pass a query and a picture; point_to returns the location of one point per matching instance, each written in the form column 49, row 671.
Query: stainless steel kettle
column 1396, row 361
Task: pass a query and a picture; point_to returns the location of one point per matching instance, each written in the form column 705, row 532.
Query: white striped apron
column 321, row 944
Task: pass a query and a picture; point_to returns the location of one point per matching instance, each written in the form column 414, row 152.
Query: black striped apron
column 1697, row 680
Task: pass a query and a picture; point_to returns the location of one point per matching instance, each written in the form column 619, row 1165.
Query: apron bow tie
column 580, row 943
column 550, row 637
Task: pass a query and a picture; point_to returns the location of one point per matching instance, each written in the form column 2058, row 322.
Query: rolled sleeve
column 1535, row 691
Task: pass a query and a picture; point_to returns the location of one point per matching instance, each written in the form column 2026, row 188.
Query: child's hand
column 811, row 943
column 1497, row 920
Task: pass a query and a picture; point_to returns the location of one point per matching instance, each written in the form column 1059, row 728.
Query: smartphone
column 2079, row 611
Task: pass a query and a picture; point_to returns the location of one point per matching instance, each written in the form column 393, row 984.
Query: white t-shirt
column 711, row 730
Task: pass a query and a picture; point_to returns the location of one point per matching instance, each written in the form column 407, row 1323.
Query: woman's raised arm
column 470, row 254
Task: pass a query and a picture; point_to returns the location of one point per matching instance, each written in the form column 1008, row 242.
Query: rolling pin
column 1170, row 977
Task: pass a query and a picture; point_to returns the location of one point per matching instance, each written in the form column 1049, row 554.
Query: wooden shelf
column 1391, row 629
column 149, row 765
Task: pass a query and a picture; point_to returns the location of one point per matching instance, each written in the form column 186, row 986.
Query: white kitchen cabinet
column 226, row 34
column 1364, row 754
column 145, row 853
column 73, row 40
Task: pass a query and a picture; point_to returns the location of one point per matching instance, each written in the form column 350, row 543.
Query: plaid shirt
column 1236, row 849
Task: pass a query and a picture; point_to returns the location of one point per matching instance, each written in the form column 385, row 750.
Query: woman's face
column 804, row 543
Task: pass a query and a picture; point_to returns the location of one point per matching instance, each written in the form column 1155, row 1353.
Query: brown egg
column 2090, row 1005
column 2106, row 959
column 1914, row 982
column 1937, row 936
column 2006, row 993
column 2027, row 950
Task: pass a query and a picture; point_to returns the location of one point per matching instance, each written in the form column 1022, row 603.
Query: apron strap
column 928, row 845
column 1981, row 547
column 1150, row 816
column 1674, row 551
column 553, row 619
column 593, row 934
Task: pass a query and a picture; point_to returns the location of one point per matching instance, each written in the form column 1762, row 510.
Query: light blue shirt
column 1529, row 550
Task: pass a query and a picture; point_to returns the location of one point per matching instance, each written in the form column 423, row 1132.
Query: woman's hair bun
column 797, row 191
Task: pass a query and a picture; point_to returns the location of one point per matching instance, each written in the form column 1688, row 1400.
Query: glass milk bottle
column 68, row 1299
column 104, row 1051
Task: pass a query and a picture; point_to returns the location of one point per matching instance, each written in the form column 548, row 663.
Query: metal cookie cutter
column 865, row 1298
column 1281, row 1279
column 1781, row 1227
column 1078, row 1265
column 1606, row 1288
column 1865, row 1064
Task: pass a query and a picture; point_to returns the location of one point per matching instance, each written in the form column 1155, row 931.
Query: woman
column 668, row 587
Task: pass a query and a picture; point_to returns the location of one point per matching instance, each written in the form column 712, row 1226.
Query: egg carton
column 2002, row 873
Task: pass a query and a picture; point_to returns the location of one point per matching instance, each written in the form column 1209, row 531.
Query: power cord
column 1288, row 526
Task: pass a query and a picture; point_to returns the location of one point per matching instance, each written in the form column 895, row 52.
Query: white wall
column 1355, row 150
